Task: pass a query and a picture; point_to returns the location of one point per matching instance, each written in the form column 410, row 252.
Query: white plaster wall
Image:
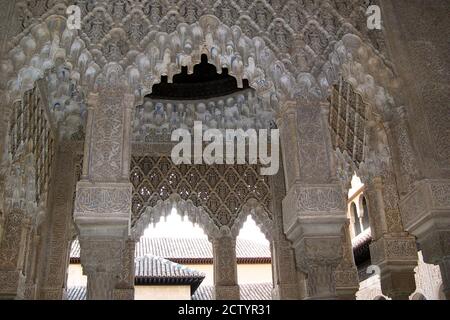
column 75, row 276
column 247, row 273
column 254, row 273
column 162, row 292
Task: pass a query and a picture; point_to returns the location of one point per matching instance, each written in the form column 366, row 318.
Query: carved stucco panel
column 225, row 263
column 394, row 249
column 428, row 195
column 440, row 195
column 107, row 200
column 11, row 240
column 319, row 199
column 107, row 136
column 313, row 150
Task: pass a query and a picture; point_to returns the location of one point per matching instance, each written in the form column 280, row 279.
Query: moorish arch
column 113, row 73
column 217, row 197
column 360, row 120
column 261, row 215
column 119, row 47
column 195, row 215
column 87, row 70
column 28, row 75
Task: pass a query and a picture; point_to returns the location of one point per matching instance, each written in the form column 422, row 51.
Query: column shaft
column 103, row 201
column 314, row 208
column 225, row 269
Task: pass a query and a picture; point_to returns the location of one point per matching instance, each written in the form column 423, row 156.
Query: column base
column 396, row 257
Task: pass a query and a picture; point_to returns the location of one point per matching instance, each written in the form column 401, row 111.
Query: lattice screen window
column 29, row 125
column 221, row 190
column 348, row 120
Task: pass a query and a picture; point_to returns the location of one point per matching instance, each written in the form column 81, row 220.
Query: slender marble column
column 225, row 268
column 314, row 208
column 103, row 201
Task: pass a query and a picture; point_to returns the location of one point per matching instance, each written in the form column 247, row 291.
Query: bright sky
column 174, row 227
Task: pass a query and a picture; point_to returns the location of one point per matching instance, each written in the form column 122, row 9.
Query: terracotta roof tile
column 253, row 291
column 156, row 270
column 76, row 293
column 190, row 250
column 152, row 266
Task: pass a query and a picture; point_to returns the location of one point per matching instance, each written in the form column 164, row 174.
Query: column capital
column 318, row 258
column 396, row 256
column 313, row 219
column 390, row 248
column 310, row 210
column 101, row 259
column 101, row 253
column 425, row 210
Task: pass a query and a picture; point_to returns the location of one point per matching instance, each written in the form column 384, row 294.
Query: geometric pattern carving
column 29, row 126
column 298, row 35
column 277, row 22
column 347, row 121
column 221, row 190
column 111, row 199
column 155, row 120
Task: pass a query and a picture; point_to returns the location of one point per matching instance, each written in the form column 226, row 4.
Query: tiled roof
column 257, row 291
column 253, row 291
column 151, row 270
column 362, row 238
column 152, row 266
column 191, row 250
column 157, row 270
column 360, row 245
column 76, row 293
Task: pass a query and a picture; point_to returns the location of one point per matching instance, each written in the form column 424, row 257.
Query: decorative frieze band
column 394, row 248
column 428, row 195
column 108, row 199
column 315, row 199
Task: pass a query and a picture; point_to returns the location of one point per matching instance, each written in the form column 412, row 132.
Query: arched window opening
column 173, row 226
column 76, row 281
column 173, row 259
column 356, row 222
column 254, row 262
